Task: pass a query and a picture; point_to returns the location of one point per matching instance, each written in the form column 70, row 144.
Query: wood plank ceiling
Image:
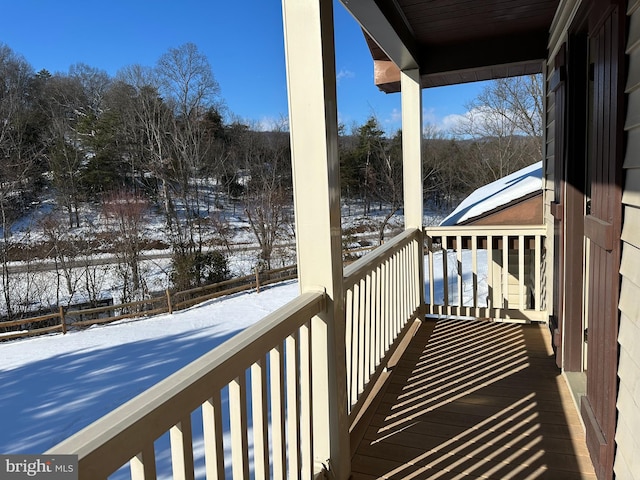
column 454, row 41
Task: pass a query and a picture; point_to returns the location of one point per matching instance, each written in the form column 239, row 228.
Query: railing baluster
column 505, row 272
column 182, row 449
column 350, row 333
column 432, row 280
column 445, row 275
column 306, row 405
column 400, row 289
column 417, row 263
column 395, row 299
column 366, row 320
column 143, row 465
column 384, row 302
column 491, row 293
column 388, row 297
column 537, row 274
column 362, row 338
column 404, row 281
column 474, row 270
column 276, row 367
column 381, row 347
column 459, row 269
column 292, row 410
column 389, row 311
column 238, row 425
column 373, row 341
column 260, row 420
column 356, row 344
column 521, row 293
column 410, row 280
column 407, row 279
column 213, row 444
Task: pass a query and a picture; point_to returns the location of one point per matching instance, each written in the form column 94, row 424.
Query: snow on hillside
column 33, row 289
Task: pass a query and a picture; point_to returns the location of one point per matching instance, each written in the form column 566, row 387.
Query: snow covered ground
column 452, row 278
column 53, row 386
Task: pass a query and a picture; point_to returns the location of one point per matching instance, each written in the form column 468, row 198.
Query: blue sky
column 242, row 39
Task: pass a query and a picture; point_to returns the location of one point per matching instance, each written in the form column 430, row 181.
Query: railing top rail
column 157, row 409
column 362, row 266
column 484, row 230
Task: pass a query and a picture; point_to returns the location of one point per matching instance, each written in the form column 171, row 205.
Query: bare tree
column 63, row 103
column 149, row 124
column 388, row 171
column 190, row 89
column 63, row 250
column 126, row 212
column 19, row 151
column 267, row 212
column 268, row 194
column 504, row 124
column 94, row 84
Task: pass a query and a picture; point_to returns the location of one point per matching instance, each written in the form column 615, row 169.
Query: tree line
column 159, row 138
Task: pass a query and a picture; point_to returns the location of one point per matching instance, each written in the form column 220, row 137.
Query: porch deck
column 473, row 399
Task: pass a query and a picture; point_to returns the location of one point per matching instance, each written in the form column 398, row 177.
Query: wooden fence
column 63, row 319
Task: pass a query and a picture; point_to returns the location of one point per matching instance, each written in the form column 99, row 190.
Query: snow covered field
column 53, row 386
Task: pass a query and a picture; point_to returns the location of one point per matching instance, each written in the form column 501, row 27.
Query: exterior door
column 558, row 87
column 602, row 226
column 569, row 84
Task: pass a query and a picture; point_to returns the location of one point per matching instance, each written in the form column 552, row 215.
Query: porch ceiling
column 454, row 41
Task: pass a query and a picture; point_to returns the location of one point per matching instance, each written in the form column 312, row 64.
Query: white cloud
column 271, row 124
column 429, row 116
column 344, row 74
column 444, row 125
column 395, row 117
column 452, row 121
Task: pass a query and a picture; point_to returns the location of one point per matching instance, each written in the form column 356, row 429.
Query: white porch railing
column 247, row 405
column 486, row 272
column 256, row 385
column 382, row 299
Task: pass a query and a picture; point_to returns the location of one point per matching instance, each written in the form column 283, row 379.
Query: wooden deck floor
column 473, row 399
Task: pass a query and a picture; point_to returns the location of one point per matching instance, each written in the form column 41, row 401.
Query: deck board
column 470, row 400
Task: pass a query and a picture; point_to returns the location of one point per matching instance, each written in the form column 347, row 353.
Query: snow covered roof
column 496, row 194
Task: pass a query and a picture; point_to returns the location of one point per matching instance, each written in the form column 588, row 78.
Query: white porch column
column 412, row 159
column 412, row 147
column 313, row 123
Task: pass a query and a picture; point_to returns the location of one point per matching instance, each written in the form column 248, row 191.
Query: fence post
column 257, row 280
column 63, row 322
column 169, row 306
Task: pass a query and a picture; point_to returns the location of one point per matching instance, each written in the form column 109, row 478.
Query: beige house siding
column 520, row 212
column 627, row 461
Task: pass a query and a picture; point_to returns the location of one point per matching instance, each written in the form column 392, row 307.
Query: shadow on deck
column 473, row 399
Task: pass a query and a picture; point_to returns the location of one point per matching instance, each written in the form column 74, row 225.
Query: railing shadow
column 474, row 399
